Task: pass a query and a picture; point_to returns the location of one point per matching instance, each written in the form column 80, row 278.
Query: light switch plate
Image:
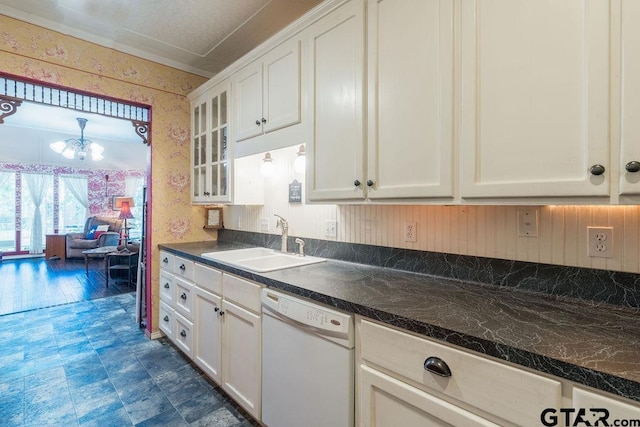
column 528, row 222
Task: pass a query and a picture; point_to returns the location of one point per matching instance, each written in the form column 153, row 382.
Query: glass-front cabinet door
column 210, row 153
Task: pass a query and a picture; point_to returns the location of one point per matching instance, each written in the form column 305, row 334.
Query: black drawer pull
column 166, row 318
column 183, row 267
column 183, row 334
column 183, row 296
column 437, row 366
column 166, row 285
column 165, row 260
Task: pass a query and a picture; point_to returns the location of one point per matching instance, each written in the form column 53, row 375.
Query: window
column 7, row 211
column 73, row 201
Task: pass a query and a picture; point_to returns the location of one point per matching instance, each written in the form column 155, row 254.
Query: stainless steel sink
column 261, row 260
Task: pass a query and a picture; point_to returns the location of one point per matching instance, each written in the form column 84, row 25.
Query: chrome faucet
column 300, row 243
column 284, row 226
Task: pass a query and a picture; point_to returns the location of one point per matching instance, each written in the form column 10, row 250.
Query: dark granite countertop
column 594, row 346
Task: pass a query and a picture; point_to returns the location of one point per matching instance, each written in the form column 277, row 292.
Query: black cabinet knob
column 183, row 267
column 437, row 366
column 166, row 318
column 183, row 296
column 369, row 183
column 216, row 309
column 165, row 260
column 633, row 166
column 596, row 170
column 264, row 120
column 206, row 193
column 183, row 333
column 166, row 285
column 258, row 122
column 221, row 312
column 356, row 183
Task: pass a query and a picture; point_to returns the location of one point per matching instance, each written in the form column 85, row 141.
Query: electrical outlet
column 528, row 222
column 264, row 225
column 331, row 228
column 600, row 241
column 410, row 231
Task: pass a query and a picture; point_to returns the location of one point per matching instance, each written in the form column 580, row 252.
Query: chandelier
column 80, row 147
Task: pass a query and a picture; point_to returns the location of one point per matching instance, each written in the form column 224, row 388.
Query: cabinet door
column 617, row 409
column 410, row 149
column 242, row 356
column 199, row 148
column 387, row 402
column 219, row 169
column 535, row 97
column 208, row 333
column 336, row 150
column 247, row 89
column 210, row 167
column 281, row 95
column 630, row 125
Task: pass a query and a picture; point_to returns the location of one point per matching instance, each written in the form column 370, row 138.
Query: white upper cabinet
column 335, row 164
column 267, row 92
column 210, row 167
column 535, row 98
column 410, row 99
column 630, row 113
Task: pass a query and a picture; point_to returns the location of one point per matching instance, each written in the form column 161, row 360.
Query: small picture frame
column 213, row 218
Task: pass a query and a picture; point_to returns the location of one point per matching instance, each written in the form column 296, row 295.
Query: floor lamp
column 125, row 204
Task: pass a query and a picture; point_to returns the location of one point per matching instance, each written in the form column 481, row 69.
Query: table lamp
column 125, row 204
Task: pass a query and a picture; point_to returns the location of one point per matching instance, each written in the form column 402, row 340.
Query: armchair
column 78, row 242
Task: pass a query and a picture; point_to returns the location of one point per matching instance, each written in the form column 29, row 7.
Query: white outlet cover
column 528, row 223
column 331, row 228
column 600, row 242
column 410, row 231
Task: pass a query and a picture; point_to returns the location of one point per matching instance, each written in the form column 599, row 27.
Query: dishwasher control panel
column 307, row 313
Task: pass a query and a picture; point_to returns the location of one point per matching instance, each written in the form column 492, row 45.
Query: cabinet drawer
column 510, row 393
column 183, row 334
column 183, row 268
column 618, row 408
column 166, row 317
column 183, row 297
column 207, row 278
column 167, row 287
column 242, row 292
column 167, row 260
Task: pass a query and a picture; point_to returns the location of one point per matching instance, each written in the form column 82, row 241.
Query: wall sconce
column 267, row 169
column 300, row 163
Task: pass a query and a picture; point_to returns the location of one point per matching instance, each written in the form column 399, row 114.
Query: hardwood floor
column 32, row 283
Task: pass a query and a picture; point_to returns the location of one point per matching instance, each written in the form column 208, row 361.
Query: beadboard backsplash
column 485, row 231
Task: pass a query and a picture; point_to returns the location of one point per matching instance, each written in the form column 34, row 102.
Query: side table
column 56, row 246
column 124, row 262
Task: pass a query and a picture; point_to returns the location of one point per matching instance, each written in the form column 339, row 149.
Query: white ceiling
column 198, row 36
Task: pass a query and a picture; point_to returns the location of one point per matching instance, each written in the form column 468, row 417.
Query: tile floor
column 89, row 364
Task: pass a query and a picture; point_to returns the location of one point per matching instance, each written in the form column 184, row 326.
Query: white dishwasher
column 307, row 363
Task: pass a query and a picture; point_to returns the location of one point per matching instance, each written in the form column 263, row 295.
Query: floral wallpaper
column 34, row 52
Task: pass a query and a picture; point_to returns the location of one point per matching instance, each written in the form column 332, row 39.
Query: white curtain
column 4, row 177
column 131, row 186
column 37, row 185
column 78, row 187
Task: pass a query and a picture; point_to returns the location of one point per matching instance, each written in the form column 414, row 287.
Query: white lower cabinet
column 591, row 406
column 183, row 337
column 167, row 319
column 460, row 389
column 207, row 350
column 387, row 401
column 242, row 345
column 215, row 318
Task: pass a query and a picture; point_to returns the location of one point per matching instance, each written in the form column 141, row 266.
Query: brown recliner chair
column 78, row 242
